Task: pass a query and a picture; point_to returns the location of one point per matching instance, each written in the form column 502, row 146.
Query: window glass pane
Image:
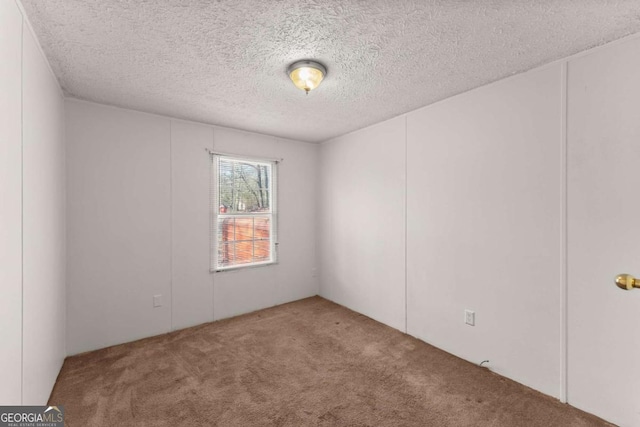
column 226, row 230
column 226, row 254
column 226, row 187
column 262, row 226
column 244, row 187
column 244, row 228
column 243, row 240
column 244, row 252
column 262, row 250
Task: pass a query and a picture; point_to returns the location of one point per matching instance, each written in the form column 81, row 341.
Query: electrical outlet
column 314, row 272
column 157, row 301
column 470, row 317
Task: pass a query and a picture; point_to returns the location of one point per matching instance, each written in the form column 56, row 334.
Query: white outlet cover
column 157, row 301
column 470, row 317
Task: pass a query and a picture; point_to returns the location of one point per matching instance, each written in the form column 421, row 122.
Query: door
column 603, row 232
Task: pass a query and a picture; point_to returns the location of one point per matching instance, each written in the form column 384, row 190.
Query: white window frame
column 216, row 215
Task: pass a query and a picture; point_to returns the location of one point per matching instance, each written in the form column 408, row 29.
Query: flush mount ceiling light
column 306, row 75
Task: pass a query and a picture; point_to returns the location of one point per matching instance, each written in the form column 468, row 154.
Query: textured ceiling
column 223, row 62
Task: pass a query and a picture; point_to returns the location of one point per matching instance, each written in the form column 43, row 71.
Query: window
column 244, row 212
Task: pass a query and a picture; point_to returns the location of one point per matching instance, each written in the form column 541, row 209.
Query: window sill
column 237, row 268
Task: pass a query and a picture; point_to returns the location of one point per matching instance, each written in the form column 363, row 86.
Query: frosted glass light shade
column 306, row 75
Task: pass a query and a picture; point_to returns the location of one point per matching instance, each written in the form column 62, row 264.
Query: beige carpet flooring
column 307, row 363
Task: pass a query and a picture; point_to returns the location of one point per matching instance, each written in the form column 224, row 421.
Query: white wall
column 138, row 215
column 484, row 209
column 119, row 238
column 192, row 283
column 43, row 226
column 11, row 204
column 32, row 223
column 363, row 221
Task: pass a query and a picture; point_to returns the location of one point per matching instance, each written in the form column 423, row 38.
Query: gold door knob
column 627, row 282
